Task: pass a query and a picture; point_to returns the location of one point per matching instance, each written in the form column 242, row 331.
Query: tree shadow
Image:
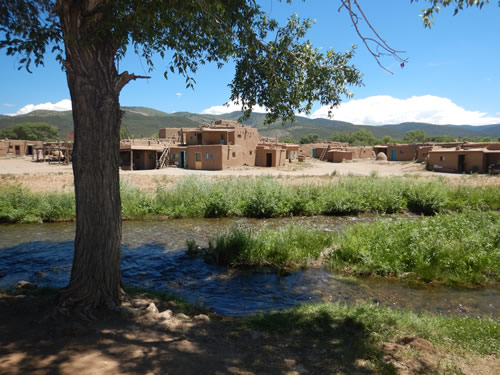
column 199, row 344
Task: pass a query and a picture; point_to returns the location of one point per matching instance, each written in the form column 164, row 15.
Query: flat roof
column 217, row 130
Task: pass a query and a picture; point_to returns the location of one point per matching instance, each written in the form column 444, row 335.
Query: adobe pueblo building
column 224, row 144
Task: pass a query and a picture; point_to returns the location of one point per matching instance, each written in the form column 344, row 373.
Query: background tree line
column 364, row 137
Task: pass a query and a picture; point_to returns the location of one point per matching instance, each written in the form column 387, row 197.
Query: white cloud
column 8, row 105
column 63, row 105
column 228, row 108
column 383, row 109
column 178, row 94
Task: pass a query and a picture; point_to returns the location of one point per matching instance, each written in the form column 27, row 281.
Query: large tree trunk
column 94, row 85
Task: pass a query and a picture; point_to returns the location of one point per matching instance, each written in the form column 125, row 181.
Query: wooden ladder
column 164, row 157
column 323, row 154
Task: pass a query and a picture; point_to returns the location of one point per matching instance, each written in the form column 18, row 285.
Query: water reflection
column 154, row 258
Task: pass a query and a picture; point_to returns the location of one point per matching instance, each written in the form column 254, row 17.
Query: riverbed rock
column 151, row 309
column 165, row 315
column 25, row 285
column 202, row 317
column 182, row 316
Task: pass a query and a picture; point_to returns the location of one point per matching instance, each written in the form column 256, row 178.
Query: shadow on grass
column 180, row 345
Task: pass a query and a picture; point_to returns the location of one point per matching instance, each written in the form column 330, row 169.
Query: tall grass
column 459, row 248
column 20, row 205
column 290, row 247
column 262, row 197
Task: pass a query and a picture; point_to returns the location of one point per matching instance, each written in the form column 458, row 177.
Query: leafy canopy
column 276, row 67
column 31, row 131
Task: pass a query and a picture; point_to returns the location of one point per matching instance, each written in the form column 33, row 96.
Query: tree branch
column 125, row 78
column 381, row 46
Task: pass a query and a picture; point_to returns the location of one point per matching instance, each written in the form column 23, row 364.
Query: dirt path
column 171, row 342
column 56, row 177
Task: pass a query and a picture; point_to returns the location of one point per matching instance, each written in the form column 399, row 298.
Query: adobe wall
column 361, row 152
column 448, row 161
column 491, row 158
column 422, row 152
column 278, row 156
column 169, row 133
column 16, row 147
column 211, row 157
column 337, row 156
column 144, row 159
column 403, row 152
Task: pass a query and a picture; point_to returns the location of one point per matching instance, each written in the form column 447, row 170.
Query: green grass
column 330, row 323
column 461, row 248
column 261, row 198
column 288, row 248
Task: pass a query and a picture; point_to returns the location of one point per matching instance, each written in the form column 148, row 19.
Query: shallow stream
column 154, row 258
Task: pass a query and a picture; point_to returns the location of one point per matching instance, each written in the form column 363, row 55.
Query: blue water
column 154, row 258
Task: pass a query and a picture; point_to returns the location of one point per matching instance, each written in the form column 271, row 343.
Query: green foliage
column 310, row 138
column 361, row 137
column 31, row 131
column 435, row 6
column 287, row 140
column 266, row 198
column 459, row 248
column 263, row 197
column 19, row 205
column 415, row 136
column 290, row 247
column 425, row 198
column 372, row 325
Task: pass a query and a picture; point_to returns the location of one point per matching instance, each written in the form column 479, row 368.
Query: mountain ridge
column 145, row 122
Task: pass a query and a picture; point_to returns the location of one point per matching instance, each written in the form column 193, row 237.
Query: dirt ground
column 160, row 339
column 58, row 177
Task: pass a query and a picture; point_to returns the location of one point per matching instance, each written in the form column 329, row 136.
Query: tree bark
column 94, row 85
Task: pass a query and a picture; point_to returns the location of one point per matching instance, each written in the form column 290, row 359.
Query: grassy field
column 262, row 198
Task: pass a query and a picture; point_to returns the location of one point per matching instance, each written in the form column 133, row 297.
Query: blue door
column 393, row 155
column 314, row 153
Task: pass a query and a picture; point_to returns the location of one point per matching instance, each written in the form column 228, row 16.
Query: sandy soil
column 161, row 339
column 59, row 177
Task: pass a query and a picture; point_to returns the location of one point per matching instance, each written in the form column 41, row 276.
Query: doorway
column 461, row 163
column 269, row 160
column 394, row 155
column 182, row 162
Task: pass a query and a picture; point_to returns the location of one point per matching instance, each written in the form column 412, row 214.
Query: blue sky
column 452, row 75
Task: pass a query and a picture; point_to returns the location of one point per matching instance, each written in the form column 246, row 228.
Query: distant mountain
column 144, row 122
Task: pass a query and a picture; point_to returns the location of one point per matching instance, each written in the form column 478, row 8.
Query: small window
column 191, row 137
column 442, row 158
column 239, row 135
column 210, row 156
column 400, row 151
column 198, row 156
column 234, row 154
column 250, row 152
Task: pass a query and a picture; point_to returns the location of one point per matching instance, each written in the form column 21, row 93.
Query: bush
column 455, row 249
